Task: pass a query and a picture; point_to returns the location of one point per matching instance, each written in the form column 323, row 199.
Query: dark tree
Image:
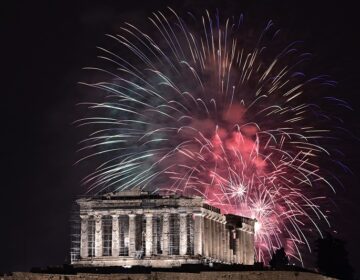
column 332, row 258
column 279, row 259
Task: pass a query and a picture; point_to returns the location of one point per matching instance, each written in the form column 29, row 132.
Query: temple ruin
column 131, row 228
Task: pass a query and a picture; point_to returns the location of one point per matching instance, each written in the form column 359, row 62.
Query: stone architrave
column 98, row 236
column 183, row 234
column 149, row 235
column 84, row 236
column 132, row 236
column 115, row 245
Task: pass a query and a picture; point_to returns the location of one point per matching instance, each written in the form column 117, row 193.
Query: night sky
column 47, row 44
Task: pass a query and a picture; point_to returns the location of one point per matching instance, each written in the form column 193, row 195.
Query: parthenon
column 131, row 228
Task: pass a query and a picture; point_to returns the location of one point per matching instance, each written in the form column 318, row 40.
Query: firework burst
column 201, row 109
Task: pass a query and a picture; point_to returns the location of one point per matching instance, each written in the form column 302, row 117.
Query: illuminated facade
column 136, row 228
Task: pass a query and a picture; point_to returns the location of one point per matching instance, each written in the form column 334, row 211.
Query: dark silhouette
column 332, row 258
column 279, row 259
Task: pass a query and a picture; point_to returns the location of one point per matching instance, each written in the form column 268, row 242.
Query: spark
column 204, row 112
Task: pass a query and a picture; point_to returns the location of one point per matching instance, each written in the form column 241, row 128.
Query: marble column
column 216, row 238
column 149, row 235
column 228, row 252
column 246, row 247
column 165, row 234
column 115, row 236
column 243, row 248
column 206, row 236
column 98, row 236
column 198, row 220
column 251, row 248
column 203, row 245
column 183, row 233
column 238, row 249
column 223, row 242
column 84, row 236
column 132, row 235
column 211, row 241
column 220, row 241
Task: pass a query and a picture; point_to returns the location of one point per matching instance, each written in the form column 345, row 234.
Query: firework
column 203, row 109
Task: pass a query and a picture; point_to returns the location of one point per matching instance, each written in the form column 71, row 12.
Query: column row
column 133, row 234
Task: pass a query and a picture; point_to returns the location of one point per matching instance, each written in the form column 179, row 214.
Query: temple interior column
column 183, row 233
column 198, row 220
column 165, row 234
column 132, row 236
column 115, row 236
column 149, row 235
column 98, row 236
column 84, row 236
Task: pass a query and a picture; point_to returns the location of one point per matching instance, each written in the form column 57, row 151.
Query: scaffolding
column 75, row 233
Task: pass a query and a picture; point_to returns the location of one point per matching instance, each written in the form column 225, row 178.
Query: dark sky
column 47, row 44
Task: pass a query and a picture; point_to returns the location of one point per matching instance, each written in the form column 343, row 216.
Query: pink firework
column 204, row 109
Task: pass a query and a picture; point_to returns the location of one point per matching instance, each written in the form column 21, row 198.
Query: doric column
column 242, row 244
column 206, row 236
column 210, row 235
column 203, row 245
column 239, row 246
column 223, row 242
column 149, row 235
column 165, row 234
column 216, row 236
column 228, row 252
column 115, row 236
column 219, row 239
column 84, row 236
column 198, row 220
column 245, row 247
column 183, row 233
column 251, row 248
column 132, row 236
column 98, row 236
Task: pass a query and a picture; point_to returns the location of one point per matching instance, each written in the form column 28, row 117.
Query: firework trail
column 201, row 109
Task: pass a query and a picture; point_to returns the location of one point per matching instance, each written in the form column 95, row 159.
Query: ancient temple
column 137, row 228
